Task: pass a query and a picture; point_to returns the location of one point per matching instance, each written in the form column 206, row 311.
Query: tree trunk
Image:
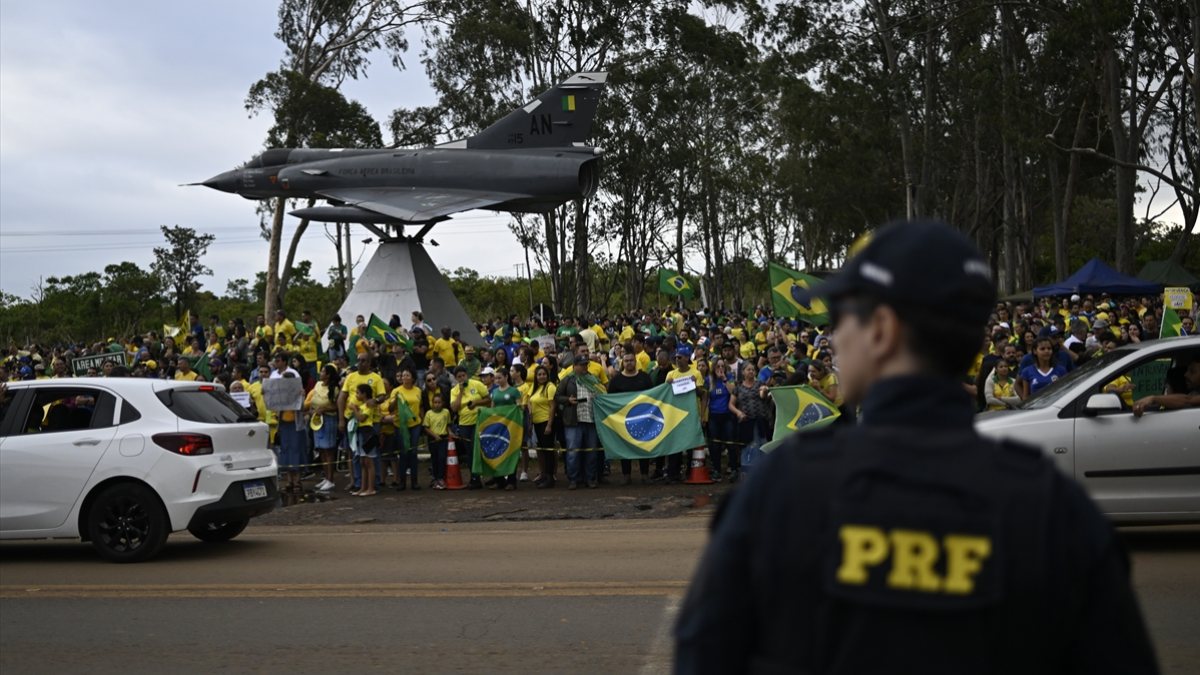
column 553, row 260
column 1123, row 144
column 582, row 282
column 900, row 103
column 286, row 275
column 271, row 299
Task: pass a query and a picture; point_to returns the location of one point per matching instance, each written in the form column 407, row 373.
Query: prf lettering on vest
column 913, row 555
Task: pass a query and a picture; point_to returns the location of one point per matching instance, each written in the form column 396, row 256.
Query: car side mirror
column 1102, row 404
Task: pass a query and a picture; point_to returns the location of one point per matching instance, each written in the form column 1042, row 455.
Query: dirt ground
column 526, row 503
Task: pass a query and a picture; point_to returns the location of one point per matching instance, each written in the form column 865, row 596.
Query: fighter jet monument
column 533, row 160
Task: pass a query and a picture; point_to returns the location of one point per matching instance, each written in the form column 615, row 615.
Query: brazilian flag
column 673, row 283
column 1172, row 325
column 377, row 329
column 651, row 423
column 801, row 408
column 786, row 285
column 499, row 434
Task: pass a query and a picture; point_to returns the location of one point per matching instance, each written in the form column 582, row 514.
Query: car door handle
column 87, row 441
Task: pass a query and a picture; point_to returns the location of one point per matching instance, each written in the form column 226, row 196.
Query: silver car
column 1140, row 470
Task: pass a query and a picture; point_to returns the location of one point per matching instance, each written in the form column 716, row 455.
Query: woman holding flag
column 403, row 411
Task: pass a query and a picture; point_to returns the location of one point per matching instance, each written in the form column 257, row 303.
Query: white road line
column 662, row 650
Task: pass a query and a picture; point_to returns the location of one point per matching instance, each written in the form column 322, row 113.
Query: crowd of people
column 382, row 403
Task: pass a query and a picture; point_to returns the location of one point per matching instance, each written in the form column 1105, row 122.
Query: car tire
column 219, row 531
column 126, row 523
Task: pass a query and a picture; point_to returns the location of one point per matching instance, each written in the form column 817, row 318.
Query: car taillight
column 185, row 444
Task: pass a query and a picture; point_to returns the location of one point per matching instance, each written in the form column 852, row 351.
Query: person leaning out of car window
column 1187, row 397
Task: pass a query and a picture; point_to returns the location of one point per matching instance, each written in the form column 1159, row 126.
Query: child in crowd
column 365, row 410
column 437, row 425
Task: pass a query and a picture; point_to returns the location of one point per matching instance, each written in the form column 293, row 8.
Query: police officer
column 908, row 543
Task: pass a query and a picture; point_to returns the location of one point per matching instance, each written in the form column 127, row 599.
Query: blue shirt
column 1061, row 356
column 1037, row 380
column 718, row 395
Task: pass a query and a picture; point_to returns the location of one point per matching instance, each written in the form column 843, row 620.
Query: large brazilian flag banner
column 801, row 408
column 499, row 433
column 650, row 423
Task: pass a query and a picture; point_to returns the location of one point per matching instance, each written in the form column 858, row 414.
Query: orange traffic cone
column 698, row 473
column 454, row 479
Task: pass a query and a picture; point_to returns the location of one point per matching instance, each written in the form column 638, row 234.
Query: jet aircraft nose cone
column 225, row 182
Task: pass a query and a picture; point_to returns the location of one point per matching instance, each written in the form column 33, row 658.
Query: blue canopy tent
column 1096, row 277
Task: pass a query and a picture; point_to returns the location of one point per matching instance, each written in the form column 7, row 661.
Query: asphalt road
column 566, row 596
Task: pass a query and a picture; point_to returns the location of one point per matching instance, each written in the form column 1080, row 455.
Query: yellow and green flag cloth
column 673, row 283
column 786, row 285
column 651, row 423
column 305, row 328
column 568, row 104
column 1172, row 326
column 801, row 408
column 377, row 329
column 499, row 434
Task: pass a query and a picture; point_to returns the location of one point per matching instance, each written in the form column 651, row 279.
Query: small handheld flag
column 377, row 329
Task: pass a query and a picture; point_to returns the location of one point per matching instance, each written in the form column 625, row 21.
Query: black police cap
column 921, row 264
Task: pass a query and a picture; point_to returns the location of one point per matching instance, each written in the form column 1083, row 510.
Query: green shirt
column 507, row 396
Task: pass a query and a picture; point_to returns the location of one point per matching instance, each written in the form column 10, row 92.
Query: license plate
column 257, row 490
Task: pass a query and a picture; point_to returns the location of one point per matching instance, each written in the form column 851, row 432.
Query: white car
column 123, row 462
column 1139, row 470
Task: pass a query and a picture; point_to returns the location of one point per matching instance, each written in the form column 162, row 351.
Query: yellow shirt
column 318, row 397
column 541, row 402
column 189, row 376
column 691, row 372
column 264, row 333
column 437, row 421
column 371, row 413
column 286, row 328
column 526, row 388
column 1126, row 396
column 595, row 369
column 643, row 361
column 308, row 347
column 350, row 384
column 828, row 382
column 474, row 392
column 444, row 348
column 626, row 333
column 1003, row 389
column 411, row 396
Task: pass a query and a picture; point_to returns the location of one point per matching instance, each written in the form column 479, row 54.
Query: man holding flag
column 575, row 396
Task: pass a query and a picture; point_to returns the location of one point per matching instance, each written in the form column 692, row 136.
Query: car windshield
column 206, row 404
column 1050, row 394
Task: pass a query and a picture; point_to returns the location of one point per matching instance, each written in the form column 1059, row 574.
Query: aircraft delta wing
column 532, row 160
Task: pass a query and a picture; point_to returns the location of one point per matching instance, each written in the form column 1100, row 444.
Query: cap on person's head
column 683, row 351
column 488, row 371
column 1075, row 297
column 581, row 360
column 1100, row 324
column 923, row 263
column 151, row 364
column 469, row 349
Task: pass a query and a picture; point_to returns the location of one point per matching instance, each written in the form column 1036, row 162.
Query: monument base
column 400, row 278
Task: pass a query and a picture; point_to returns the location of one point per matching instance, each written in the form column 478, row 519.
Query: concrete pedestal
column 401, row 278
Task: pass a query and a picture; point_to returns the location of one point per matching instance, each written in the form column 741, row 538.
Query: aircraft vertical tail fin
column 560, row 117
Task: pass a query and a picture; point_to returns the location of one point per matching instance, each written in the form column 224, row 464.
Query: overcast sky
column 106, row 107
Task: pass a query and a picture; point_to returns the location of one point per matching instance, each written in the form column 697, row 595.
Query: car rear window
column 210, row 406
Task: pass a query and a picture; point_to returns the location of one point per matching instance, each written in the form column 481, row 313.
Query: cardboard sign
column 683, row 385
column 81, row 364
column 1178, row 297
column 242, row 398
column 283, row 393
column 546, row 342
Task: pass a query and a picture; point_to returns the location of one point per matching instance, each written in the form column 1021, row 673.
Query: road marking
column 662, row 652
column 669, row 587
